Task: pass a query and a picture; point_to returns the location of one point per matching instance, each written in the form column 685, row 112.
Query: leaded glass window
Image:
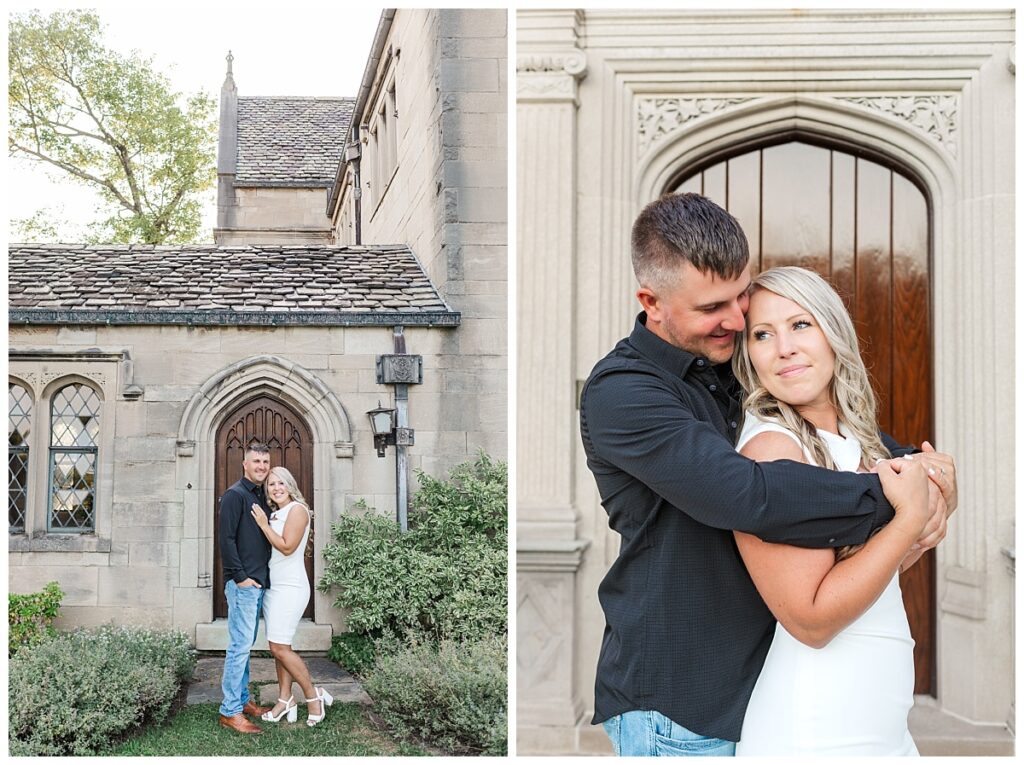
column 74, row 435
column 19, row 423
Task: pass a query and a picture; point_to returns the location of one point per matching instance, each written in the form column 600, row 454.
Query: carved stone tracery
column 660, row 117
column 934, row 115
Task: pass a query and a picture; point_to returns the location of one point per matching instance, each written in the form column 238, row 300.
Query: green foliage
column 110, row 122
column 353, row 651
column 445, row 578
column 451, row 694
column 74, row 694
column 42, row 226
column 193, row 732
column 31, row 617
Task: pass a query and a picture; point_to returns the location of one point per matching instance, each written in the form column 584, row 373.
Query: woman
column 288, row 531
column 839, row 677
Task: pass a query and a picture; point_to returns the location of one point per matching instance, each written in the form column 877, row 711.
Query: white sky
column 283, row 49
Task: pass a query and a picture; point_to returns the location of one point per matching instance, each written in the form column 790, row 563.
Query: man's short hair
column 257, row 447
column 686, row 227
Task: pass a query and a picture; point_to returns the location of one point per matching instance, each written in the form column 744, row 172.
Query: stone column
column 549, row 68
column 227, row 145
column 975, row 404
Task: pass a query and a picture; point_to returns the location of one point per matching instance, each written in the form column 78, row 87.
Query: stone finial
column 229, row 79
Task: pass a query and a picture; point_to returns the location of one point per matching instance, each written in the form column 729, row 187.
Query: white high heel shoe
column 290, row 708
column 325, row 700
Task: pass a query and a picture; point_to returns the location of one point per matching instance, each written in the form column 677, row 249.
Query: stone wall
column 613, row 104
column 154, row 517
column 447, row 200
column 270, row 215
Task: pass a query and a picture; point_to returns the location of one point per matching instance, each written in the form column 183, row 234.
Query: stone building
column 874, row 146
column 137, row 374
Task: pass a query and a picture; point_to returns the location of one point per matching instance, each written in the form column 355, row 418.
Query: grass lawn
column 194, row 731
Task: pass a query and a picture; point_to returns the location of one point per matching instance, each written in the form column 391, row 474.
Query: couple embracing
column 754, row 607
column 264, row 529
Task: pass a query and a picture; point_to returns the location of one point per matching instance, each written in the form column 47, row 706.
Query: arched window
column 74, row 436
column 19, row 425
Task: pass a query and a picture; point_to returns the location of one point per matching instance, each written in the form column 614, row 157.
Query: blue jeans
column 243, row 621
column 651, row 734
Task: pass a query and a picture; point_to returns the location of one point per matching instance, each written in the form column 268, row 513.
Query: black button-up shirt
column 686, row 632
column 244, row 550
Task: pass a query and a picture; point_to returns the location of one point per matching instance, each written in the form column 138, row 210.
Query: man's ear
column 649, row 302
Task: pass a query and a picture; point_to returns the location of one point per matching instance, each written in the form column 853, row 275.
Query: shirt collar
column 253, row 487
column 665, row 355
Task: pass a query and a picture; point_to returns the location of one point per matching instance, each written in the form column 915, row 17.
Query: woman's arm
column 294, row 527
column 812, row 596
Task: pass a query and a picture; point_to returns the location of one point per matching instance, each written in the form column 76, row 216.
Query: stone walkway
column 205, row 686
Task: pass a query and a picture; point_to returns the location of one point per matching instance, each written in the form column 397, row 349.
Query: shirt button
column 700, row 362
column 732, row 424
column 832, row 541
column 712, row 387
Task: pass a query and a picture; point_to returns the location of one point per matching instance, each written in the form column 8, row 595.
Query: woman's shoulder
column 755, row 425
column 298, row 508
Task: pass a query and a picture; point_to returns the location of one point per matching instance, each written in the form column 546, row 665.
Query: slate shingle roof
column 290, row 141
column 250, row 285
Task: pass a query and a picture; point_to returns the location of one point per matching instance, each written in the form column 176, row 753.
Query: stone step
column 938, row 733
column 205, row 685
column 308, row 637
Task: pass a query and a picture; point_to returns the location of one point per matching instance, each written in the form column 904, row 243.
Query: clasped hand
column 942, row 495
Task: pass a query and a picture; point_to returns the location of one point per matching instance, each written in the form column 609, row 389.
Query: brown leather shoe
column 251, row 708
column 239, row 724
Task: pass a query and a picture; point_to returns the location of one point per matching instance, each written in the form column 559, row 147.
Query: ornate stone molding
column 551, row 76
column 97, row 377
column 935, row 116
column 570, row 62
column 657, row 118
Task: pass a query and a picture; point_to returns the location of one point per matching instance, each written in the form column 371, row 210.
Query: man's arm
column 230, row 517
column 635, row 423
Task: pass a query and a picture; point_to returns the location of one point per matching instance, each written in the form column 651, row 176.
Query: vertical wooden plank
column 795, row 207
column 911, row 314
column 912, row 394
column 873, row 302
column 843, row 226
column 744, row 174
column 714, row 184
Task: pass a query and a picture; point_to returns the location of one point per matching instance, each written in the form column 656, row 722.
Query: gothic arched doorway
column 865, row 226
column 270, row 421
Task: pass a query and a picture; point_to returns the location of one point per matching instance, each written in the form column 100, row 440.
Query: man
column 245, row 555
column 687, row 633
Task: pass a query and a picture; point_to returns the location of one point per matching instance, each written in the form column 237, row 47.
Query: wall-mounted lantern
column 382, row 422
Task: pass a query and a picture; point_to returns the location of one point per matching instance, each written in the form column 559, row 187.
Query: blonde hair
column 292, row 487
column 850, row 388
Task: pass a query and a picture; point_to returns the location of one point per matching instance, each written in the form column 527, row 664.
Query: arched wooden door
column 865, row 227
column 274, row 423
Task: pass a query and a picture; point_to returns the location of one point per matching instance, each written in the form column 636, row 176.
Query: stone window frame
column 23, row 448
column 43, row 375
column 383, row 129
column 55, row 450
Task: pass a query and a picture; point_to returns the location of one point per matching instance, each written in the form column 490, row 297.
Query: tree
column 110, row 122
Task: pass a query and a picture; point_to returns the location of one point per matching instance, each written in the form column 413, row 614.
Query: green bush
column 74, row 694
column 31, row 617
column 353, row 651
column 445, row 578
column 451, row 694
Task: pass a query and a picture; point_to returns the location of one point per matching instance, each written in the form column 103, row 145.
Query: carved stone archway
column 331, row 430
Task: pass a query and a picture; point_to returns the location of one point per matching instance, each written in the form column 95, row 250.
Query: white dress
column 288, row 595
column 851, row 697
